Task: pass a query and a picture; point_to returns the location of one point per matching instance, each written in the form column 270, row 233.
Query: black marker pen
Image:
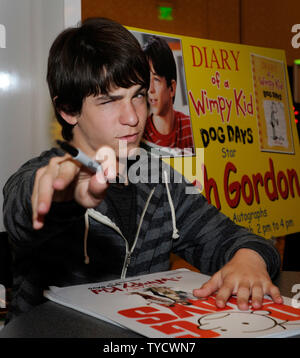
column 82, row 158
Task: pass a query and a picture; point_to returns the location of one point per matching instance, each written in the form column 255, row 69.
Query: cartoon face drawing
column 236, row 322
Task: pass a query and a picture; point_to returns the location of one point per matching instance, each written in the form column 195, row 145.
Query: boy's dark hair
column 158, row 51
column 89, row 60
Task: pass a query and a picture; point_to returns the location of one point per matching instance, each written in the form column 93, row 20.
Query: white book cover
column 162, row 305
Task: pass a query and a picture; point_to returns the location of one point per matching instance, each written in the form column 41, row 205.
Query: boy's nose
column 129, row 115
column 151, row 87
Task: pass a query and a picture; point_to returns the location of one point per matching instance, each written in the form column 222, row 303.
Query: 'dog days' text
column 229, row 133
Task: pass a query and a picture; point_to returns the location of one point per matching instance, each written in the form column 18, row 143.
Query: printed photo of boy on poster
column 168, row 129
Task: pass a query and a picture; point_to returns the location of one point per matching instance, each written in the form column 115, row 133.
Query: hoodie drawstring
column 86, row 231
column 175, row 234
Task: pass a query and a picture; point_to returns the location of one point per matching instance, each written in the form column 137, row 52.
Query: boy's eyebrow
column 105, row 97
column 112, row 97
column 141, row 88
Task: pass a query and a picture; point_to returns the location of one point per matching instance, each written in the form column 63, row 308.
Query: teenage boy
column 165, row 126
column 69, row 226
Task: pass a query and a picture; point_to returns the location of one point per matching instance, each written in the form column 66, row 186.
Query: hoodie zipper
column 106, row 221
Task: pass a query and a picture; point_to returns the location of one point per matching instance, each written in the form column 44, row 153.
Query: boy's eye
column 105, row 101
column 141, row 94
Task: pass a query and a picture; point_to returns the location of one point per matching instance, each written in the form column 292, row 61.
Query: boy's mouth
column 131, row 138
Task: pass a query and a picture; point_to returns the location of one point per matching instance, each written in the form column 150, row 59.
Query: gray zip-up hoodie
column 78, row 245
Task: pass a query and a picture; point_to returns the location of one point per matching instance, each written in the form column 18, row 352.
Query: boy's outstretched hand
column 245, row 276
column 64, row 179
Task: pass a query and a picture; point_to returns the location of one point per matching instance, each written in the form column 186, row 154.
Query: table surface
column 51, row 320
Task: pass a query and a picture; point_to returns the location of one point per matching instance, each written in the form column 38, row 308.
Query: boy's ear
column 173, row 87
column 71, row 119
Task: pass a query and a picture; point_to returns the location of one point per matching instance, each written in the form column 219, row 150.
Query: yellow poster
column 235, row 105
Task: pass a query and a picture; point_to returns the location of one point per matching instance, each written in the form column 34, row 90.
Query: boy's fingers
column 243, row 295
column 207, row 288
column 224, row 294
column 257, row 295
column 274, row 292
column 67, row 171
column 45, row 185
column 34, row 196
column 107, row 157
column 43, row 190
column 45, row 193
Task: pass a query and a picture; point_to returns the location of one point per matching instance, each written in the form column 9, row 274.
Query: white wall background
column 25, row 108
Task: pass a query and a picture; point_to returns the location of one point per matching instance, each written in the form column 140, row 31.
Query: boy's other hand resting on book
column 245, row 276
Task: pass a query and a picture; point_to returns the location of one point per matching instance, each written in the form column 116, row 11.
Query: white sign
column 2, row 36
